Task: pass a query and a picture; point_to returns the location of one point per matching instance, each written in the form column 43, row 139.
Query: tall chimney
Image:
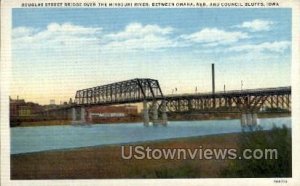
column 213, row 84
column 213, row 77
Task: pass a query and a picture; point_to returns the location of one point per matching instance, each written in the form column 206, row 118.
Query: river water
column 43, row 138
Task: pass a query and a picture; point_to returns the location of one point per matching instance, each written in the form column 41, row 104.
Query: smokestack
column 213, row 77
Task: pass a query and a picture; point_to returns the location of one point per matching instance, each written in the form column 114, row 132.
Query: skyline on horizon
column 58, row 51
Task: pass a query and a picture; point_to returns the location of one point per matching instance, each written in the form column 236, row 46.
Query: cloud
column 20, row 32
column 276, row 46
column 72, row 29
column 150, row 42
column 136, row 36
column 214, row 37
column 68, row 36
column 137, row 30
column 256, row 25
column 54, row 36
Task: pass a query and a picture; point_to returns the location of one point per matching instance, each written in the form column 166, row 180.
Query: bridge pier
column 154, row 113
column 164, row 113
column 243, row 120
column 73, row 114
column 254, row 119
column 249, row 120
column 82, row 115
column 145, row 114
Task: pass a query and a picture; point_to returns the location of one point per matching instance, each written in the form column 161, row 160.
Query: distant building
column 109, row 114
column 52, row 102
column 15, row 105
column 23, row 111
column 70, row 101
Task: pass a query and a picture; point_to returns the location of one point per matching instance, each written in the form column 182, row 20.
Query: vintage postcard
column 150, row 92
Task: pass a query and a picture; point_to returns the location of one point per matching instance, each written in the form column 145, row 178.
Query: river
column 43, row 138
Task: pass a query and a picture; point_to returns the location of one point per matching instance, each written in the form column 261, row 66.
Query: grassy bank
column 106, row 162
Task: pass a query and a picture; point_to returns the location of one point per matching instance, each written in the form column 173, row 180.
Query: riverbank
column 44, row 123
column 183, row 117
column 107, row 162
column 59, row 122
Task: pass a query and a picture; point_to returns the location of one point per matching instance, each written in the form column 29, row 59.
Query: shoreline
column 68, row 122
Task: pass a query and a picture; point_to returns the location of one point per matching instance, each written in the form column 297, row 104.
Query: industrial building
column 112, row 114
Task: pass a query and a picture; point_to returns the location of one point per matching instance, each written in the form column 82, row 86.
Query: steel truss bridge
column 251, row 100
column 130, row 91
column 148, row 90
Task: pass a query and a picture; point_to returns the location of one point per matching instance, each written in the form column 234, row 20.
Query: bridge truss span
column 130, row 91
column 253, row 100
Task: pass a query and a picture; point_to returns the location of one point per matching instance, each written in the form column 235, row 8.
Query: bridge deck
column 234, row 93
column 262, row 95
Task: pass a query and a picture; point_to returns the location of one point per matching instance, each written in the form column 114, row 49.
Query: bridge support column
column 145, row 114
column 82, row 118
column 254, row 119
column 243, row 120
column 82, row 114
column 164, row 113
column 249, row 120
column 155, row 113
column 73, row 114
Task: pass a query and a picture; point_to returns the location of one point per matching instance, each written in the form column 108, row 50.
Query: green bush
column 277, row 138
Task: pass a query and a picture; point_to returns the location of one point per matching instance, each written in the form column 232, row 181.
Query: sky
column 58, row 51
